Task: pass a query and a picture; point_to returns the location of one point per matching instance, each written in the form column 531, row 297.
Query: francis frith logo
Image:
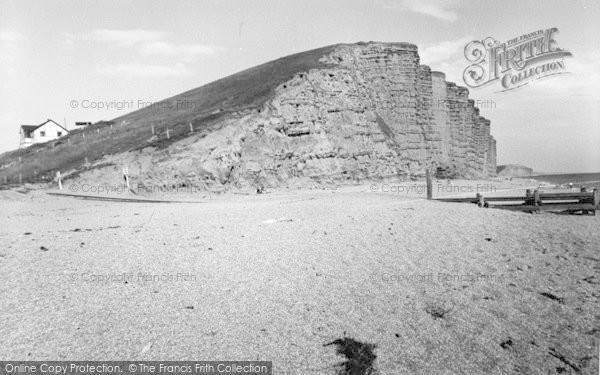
column 514, row 63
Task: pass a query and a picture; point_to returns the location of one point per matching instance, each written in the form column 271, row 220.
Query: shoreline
column 441, row 188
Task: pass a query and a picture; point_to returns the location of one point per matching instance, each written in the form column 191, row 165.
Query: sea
column 589, row 180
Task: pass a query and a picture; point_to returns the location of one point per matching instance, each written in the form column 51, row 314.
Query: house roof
column 30, row 128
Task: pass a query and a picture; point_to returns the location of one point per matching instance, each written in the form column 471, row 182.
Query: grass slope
column 202, row 106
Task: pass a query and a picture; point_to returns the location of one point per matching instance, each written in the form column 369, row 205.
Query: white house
column 46, row 131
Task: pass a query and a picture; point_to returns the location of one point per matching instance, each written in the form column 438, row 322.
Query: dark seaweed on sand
column 359, row 356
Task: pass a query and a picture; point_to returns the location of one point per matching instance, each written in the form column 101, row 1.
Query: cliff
column 374, row 112
column 514, row 170
column 338, row 113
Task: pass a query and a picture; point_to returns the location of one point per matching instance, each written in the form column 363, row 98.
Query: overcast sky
column 56, row 52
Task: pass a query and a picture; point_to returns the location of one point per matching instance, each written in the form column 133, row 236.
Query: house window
column 59, row 133
column 42, row 134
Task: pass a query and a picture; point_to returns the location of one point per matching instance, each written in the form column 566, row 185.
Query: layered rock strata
column 374, row 113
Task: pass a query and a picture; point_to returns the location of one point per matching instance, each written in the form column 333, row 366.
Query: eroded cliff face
column 514, row 170
column 376, row 113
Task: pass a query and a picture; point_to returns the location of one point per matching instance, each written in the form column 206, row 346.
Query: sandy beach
column 438, row 288
column 388, row 187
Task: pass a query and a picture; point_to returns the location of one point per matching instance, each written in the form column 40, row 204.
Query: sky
column 81, row 60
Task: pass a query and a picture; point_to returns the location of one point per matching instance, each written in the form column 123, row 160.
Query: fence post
column 191, row 128
column 536, row 198
column 59, row 180
column 480, row 199
column 126, row 176
column 168, row 136
column 596, row 201
column 429, row 187
column 528, row 197
column 152, row 129
column 20, row 178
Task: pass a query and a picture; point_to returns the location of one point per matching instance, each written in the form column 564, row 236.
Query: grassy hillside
column 203, row 106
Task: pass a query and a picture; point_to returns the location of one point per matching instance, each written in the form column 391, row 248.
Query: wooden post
column 480, row 200
column 59, row 180
column 528, row 197
column 191, row 128
column 429, row 187
column 126, row 176
column 168, row 136
column 20, row 178
column 596, row 201
column 536, row 198
column 152, row 129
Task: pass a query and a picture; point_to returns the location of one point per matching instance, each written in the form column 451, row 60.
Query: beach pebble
column 146, row 348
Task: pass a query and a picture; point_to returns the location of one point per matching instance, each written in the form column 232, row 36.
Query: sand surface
column 439, row 288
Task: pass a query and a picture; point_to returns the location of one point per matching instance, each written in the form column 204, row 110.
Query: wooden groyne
column 535, row 200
